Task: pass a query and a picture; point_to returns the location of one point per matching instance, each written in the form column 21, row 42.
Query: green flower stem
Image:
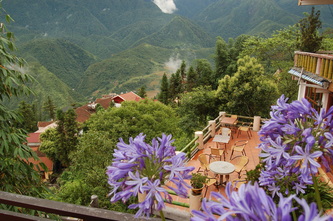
column 317, row 195
column 162, row 215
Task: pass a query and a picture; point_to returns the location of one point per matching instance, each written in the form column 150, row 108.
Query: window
column 314, row 98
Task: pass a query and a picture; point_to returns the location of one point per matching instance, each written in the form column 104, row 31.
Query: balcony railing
column 319, row 64
column 58, row 208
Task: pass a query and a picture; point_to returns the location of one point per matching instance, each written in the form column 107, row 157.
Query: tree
column 142, row 92
column 196, row 108
column 175, row 85
column 103, row 131
column 67, row 139
column 50, row 108
column 16, row 175
column 249, row 92
column 204, row 72
column 58, row 143
column 192, row 79
column 29, row 122
column 310, row 41
column 182, row 71
column 164, row 94
column 221, row 58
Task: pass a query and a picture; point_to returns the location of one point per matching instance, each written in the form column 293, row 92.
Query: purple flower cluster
column 251, row 202
column 292, row 141
column 138, row 167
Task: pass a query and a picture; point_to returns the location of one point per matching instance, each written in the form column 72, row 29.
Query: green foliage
column 310, row 40
column 59, row 57
column 252, row 176
column 142, row 92
column 28, row 114
column 50, row 108
column 164, row 94
column 16, row 175
column 249, row 92
column 196, row 108
column 198, row 180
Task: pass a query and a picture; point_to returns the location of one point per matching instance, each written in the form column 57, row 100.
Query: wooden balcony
column 319, row 64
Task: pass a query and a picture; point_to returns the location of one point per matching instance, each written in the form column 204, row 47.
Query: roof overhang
column 310, row 77
column 315, row 2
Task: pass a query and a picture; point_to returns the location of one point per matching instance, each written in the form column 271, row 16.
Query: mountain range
column 97, row 47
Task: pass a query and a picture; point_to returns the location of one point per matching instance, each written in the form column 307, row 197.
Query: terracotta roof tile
column 33, row 138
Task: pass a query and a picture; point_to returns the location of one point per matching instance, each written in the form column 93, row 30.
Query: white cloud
column 173, row 64
column 166, row 6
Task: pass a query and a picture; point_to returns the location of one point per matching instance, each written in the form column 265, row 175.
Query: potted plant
column 198, row 182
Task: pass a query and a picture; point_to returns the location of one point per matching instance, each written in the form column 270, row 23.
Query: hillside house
column 83, row 113
column 314, row 73
column 33, row 142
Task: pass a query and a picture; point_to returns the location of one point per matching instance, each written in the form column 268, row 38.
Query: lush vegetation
column 120, row 42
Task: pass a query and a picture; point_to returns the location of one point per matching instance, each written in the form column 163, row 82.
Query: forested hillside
column 104, row 46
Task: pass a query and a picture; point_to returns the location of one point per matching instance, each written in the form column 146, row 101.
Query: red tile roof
column 130, row 96
column 44, row 123
column 33, row 138
column 83, row 113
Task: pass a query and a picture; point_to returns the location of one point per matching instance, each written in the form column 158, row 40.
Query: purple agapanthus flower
column 140, row 168
column 292, row 141
column 251, row 202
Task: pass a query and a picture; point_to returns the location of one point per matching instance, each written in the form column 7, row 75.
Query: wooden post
column 94, row 201
column 212, row 126
column 199, row 134
column 256, row 123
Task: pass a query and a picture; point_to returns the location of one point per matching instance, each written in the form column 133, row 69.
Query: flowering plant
column 293, row 140
column 140, row 168
column 251, row 202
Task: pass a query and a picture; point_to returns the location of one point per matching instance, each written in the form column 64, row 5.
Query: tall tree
column 310, row 40
column 204, row 72
column 182, row 70
column 58, row 143
column 67, row 129
column 164, row 93
column 248, row 92
column 175, row 85
column 192, row 79
column 50, row 108
column 16, row 175
column 142, row 92
column 196, row 108
column 29, row 121
column 221, row 58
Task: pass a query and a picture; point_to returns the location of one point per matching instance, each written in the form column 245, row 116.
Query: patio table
column 220, row 139
column 222, row 168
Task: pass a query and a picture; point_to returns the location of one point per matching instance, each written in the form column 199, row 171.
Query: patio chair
column 240, row 164
column 211, row 181
column 239, row 146
column 237, row 183
column 226, row 132
column 246, row 128
column 216, row 153
column 203, row 163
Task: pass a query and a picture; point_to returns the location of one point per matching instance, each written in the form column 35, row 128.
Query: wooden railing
column 58, row 208
column 319, row 64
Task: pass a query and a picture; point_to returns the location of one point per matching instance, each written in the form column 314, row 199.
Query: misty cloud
column 173, row 64
column 166, row 6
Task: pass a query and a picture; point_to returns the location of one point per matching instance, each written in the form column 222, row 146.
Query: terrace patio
column 251, row 151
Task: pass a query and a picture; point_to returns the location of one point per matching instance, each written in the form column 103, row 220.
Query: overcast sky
column 166, row 6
